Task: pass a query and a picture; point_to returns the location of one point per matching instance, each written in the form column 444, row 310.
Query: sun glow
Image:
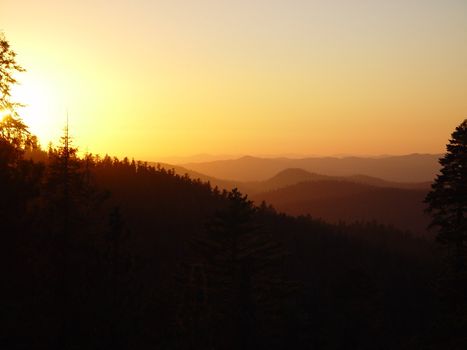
column 29, row 95
column 4, row 113
column 37, row 101
column 315, row 77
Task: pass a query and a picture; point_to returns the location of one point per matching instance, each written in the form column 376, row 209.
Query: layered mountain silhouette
column 287, row 177
column 407, row 168
column 334, row 198
column 294, row 176
column 340, row 200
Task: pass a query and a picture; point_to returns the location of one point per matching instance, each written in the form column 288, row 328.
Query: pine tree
column 8, row 68
column 15, row 137
column 62, row 179
column 72, row 215
column 448, row 197
column 20, row 182
column 447, row 204
column 235, row 287
column 14, row 134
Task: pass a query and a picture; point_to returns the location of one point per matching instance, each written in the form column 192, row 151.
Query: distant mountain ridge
column 334, row 201
column 407, row 168
column 333, row 198
column 286, row 178
column 294, row 176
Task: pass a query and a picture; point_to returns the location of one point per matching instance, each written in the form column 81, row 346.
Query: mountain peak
column 248, row 157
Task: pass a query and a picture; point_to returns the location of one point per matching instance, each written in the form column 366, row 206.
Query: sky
column 152, row 78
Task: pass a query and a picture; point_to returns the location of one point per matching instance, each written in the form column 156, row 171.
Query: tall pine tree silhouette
column 17, row 177
column 62, row 179
column 20, row 182
column 448, row 197
column 236, row 284
column 448, row 207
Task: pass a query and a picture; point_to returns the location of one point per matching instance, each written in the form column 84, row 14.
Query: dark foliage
column 156, row 271
column 335, row 201
column 448, row 208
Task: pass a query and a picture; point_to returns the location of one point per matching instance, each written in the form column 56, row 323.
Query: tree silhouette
column 72, row 214
column 64, row 178
column 8, row 67
column 448, row 197
column 20, row 182
column 16, row 175
column 14, row 134
column 448, row 207
column 15, row 138
column 12, row 128
column 235, row 290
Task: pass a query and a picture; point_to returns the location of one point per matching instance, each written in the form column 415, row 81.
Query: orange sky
column 150, row 79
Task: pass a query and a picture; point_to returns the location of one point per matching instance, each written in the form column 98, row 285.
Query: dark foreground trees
column 448, row 208
column 448, row 197
column 234, row 291
column 364, row 285
column 17, row 176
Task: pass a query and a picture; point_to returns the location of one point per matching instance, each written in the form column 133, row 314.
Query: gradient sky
column 149, row 78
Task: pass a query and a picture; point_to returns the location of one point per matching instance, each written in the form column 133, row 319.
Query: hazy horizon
column 206, row 157
column 152, row 79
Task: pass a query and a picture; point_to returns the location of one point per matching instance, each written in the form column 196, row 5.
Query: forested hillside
column 335, row 201
column 108, row 253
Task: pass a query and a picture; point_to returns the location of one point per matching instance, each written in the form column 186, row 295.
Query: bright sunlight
column 38, row 101
column 4, row 113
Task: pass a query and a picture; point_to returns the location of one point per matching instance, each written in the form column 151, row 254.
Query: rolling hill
column 334, row 201
column 290, row 177
column 334, row 198
column 286, row 178
column 407, row 168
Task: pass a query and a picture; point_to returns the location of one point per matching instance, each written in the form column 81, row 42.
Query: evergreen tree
column 63, row 179
column 19, row 179
column 71, row 213
column 14, row 134
column 8, row 68
column 448, row 207
column 19, row 185
column 15, row 137
column 235, row 289
column 448, row 198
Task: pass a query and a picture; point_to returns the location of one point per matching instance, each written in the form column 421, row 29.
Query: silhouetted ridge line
column 338, row 200
column 409, row 168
